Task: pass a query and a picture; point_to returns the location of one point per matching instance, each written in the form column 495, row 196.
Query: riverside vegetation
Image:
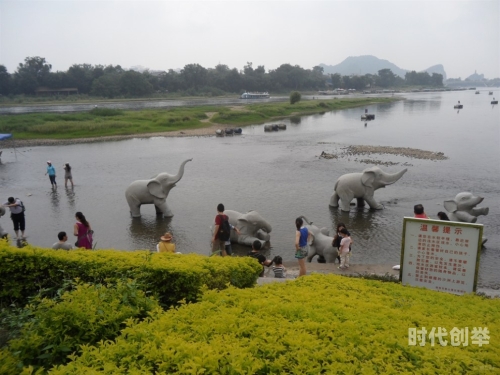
column 112, row 312
column 111, row 122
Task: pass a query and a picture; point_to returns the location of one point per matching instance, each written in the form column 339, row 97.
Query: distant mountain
column 361, row 65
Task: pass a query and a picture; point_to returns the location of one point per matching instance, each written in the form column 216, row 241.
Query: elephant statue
column 2, row 212
column 153, row 191
column 463, row 207
column 321, row 244
column 362, row 187
column 251, row 225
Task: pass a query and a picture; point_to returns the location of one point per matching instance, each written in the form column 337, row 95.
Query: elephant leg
column 480, row 211
column 312, row 253
column 361, row 202
column 465, row 217
column 261, row 235
column 162, row 208
column 247, row 240
column 345, row 202
column 134, row 205
column 334, row 200
column 373, row 203
column 330, row 257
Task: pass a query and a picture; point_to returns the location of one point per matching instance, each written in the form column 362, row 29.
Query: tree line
column 114, row 81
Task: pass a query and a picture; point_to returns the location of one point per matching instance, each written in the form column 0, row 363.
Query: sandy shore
column 201, row 132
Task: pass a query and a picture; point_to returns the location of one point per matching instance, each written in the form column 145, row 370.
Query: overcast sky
column 464, row 36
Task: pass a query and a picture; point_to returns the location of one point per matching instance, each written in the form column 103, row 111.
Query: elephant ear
column 156, row 190
column 367, row 178
column 324, row 231
column 451, row 206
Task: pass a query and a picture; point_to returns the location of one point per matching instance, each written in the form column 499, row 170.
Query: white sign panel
column 441, row 255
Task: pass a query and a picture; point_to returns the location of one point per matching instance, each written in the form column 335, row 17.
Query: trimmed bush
column 170, row 277
column 295, row 97
column 84, row 316
column 320, row 324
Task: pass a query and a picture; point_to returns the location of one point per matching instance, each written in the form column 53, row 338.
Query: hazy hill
column 361, row 65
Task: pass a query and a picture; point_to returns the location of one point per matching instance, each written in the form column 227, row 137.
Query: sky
column 464, row 36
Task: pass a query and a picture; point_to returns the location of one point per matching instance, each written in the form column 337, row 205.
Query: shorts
column 302, row 252
column 218, row 245
column 18, row 220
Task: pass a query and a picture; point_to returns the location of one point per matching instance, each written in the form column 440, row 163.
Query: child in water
column 278, row 268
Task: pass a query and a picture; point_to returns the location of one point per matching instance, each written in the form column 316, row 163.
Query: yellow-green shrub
column 320, row 324
column 83, row 316
column 8, row 363
column 171, row 277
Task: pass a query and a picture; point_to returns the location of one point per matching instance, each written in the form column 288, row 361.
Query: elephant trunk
column 179, row 174
column 390, row 178
column 305, row 219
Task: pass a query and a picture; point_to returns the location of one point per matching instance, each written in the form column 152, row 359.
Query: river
column 278, row 174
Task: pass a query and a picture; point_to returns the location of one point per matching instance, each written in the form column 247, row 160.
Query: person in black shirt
column 255, row 253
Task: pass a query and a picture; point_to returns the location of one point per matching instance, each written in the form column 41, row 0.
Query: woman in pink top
column 83, row 231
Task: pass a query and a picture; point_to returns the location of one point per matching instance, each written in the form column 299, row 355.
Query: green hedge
column 319, row 324
column 170, row 277
column 84, row 316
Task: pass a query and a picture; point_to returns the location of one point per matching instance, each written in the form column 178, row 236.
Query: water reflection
column 148, row 230
column 54, row 200
column 70, row 194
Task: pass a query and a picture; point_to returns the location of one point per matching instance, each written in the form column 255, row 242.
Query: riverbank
column 105, row 124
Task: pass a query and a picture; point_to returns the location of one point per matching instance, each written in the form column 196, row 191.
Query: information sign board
column 440, row 255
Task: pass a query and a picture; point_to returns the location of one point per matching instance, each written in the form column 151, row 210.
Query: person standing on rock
column 302, row 237
column 51, row 171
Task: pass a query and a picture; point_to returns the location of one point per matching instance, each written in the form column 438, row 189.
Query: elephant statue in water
column 321, row 244
column 153, row 191
column 251, row 225
column 463, row 207
column 2, row 212
column 362, row 186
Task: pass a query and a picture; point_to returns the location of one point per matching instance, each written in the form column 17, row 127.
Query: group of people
column 419, row 213
column 221, row 244
column 82, row 229
column 51, row 172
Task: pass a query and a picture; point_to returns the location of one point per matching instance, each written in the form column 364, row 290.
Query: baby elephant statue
column 251, row 225
column 2, row 212
column 153, row 191
column 321, row 244
column 362, row 187
column 463, row 208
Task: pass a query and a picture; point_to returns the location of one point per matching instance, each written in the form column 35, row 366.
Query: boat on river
column 477, row 92
column 255, row 95
column 490, row 93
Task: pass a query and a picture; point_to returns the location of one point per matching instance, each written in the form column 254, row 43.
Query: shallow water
column 278, row 174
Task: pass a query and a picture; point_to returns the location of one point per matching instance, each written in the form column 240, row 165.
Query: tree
column 386, row 78
column 107, row 86
column 81, row 77
column 194, row 76
column 32, row 74
column 336, row 81
column 133, row 83
column 5, row 81
column 295, row 97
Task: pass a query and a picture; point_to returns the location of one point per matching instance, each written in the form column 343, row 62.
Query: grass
column 109, row 122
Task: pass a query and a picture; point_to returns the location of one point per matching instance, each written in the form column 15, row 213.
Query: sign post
column 441, row 255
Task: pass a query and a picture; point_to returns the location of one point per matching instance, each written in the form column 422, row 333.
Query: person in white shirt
column 17, row 215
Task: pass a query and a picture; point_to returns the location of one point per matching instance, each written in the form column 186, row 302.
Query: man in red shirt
column 217, row 244
column 418, row 210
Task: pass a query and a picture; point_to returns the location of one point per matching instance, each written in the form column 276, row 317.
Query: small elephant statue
column 321, row 243
column 463, row 207
column 154, row 191
column 2, row 212
column 251, row 225
column 362, row 186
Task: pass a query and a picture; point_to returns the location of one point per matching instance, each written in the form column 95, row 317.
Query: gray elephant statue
column 251, row 225
column 3, row 234
column 362, row 186
column 154, row 191
column 463, row 207
column 321, row 243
